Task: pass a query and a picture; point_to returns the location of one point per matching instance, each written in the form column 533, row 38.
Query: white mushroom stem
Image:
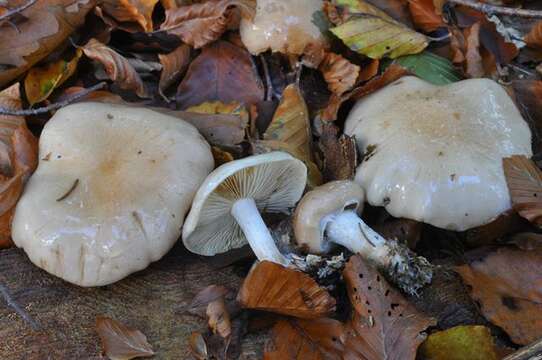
column 256, row 232
column 408, row 271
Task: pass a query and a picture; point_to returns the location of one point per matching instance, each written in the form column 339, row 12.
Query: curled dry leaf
column 116, row 66
column 47, row 24
column 524, row 181
column 384, row 324
column 221, row 72
column 221, row 156
column 473, row 60
column 528, row 95
column 340, row 154
column 202, row 23
column 139, row 11
column 274, row 288
column 18, row 159
column 219, row 318
column 174, row 65
column 297, row 339
column 340, row 11
column 40, row 82
column 424, row 15
column 97, row 96
column 198, row 346
column 120, row 342
column 473, row 342
column 339, row 73
column 507, row 284
column 208, row 295
column 534, row 37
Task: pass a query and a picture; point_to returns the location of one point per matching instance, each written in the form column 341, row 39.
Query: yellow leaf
column 218, row 107
column 377, row 37
column 40, row 82
column 359, row 7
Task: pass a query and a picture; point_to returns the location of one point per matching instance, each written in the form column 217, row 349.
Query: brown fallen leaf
column 221, row 72
column 473, row 60
column 116, row 66
column 534, row 37
column 274, row 288
column 297, row 339
column 507, row 223
column 198, row 346
column 47, row 24
column 40, row 82
column 524, row 181
column 18, row 159
column 508, row 285
column 370, row 71
column 202, row 23
column 424, row 15
column 120, row 342
column 340, row 154
column 384, row 324
column 97, row 96
column 528, row 95
column 219, row 318
column 221, row 157
column 139, row 11
column 339, row 73
column 174, row 65
column 208, row 295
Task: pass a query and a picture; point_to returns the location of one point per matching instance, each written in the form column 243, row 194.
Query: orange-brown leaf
column 370, row 71
column 340, row 154
column 524, row 181
column 174, row 65
column 120, row 342
column 473, row 60
column 296, row 339
column 424, row 15
column 339, row 73
column 139, row 11
column 274, row 288
column 534, row 37
column 18, row 159
column 392, row 73
column 384, row 324
column 219, row 318
column 202, row 23
column 116, row 66
column 198, row 346
column 508, row 285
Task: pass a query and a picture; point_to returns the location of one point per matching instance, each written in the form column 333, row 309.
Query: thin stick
column 269, row 92
column 492, row 9
column 75, row 183
column 17, row 10
column 532, row 351
column 53, row 106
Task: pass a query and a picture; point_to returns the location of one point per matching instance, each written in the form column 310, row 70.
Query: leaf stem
column 493, row 9
column 17, row 10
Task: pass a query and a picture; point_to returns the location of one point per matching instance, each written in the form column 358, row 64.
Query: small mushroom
column 434, row 153
column 330, row 214
column 226, row 210
column 285, row 26
column 110, row 192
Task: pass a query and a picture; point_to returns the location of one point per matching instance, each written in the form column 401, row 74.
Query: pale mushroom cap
column 285, row 26
column 136, row 171
column 434, row 153
column 275, row 181
column 319, row 206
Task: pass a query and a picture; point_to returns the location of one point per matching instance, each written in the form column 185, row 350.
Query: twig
column 269, row 92
column 13, row 304
column 492, row 9
column 53, row 106
column 17, row 10
column 532, row 351
column 68, row 193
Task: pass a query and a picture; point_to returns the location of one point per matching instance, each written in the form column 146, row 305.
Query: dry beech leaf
column 340, row 11
column 384, row 324
column 40, row 82
column 221, row 72
column 18, row 159
column 219, row 318
column 202, row 23
column 47, row 24
column 297, row 339
column 198, row 346
column 116, row 66
column 120, row 342
column 528, row 96
column 534, row 37
column 524, row 181
column 472, row 342
column 370, row 71
column 139, row 11
column 97, row 96
column 508, row 285
column 290, row 131
column 221, row 157
column 208, row 295
column 424, row 15
column 473, row 60
column 339, row 73
column 340, row 154
column 174, row 65
column 274, row 288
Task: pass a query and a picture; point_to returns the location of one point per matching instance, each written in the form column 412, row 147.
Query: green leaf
column 377, row 37
column 430, row 67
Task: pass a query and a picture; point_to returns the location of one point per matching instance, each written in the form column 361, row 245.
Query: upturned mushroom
column 329, row 215
column 226, row 210
column 285, row 26
column 434, row 153
column 110, row 192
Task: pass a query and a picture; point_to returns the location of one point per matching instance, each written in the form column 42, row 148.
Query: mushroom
column 283, row 26
column 330, row 214
column 110, row 192
column 434, row 153
column 226, row 210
